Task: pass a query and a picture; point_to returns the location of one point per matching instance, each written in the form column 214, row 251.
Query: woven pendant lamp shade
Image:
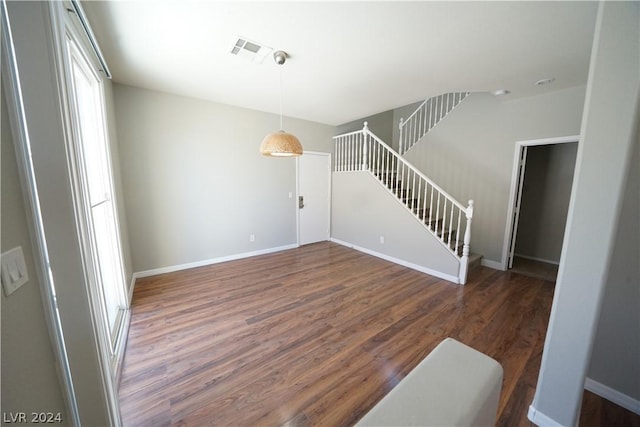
column 281, row 144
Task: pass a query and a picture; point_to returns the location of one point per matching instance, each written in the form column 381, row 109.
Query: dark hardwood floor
column 316, row 336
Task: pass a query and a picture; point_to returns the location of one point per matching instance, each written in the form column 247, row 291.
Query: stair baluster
column 426, row 117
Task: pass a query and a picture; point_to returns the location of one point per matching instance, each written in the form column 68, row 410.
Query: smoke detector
column 250, row 50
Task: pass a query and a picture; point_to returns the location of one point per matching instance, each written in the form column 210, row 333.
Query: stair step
column 434, row 223
column 439, row 232
column 410, row 202
column 475, row 261
column 457, row 249
column 421, row 212
column 389, row 179
column 391, row 176
column 386, row 174
column 402, row 192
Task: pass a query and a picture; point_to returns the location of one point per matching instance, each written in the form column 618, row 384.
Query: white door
column 314, row 182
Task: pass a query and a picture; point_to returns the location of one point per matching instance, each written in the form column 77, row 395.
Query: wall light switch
column 14, row 271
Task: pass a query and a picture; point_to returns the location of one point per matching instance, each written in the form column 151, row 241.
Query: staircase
column 426, row 116
column 444, row 217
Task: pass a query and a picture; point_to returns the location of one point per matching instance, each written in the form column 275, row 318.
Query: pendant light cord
column 281, row 128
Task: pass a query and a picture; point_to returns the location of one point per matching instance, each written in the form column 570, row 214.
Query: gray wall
column 401, row 113
column 615, row 361
column 384, row 125
column 380, row 124
column 362, row 210
column 471, row 152
column 545, row 200
column 195, row 183
column 29, row 379
column 609, row 123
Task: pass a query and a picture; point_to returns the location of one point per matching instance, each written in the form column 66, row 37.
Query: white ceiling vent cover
column 251, row 50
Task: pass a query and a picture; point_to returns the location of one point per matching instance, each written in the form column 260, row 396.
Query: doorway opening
column 541, row 191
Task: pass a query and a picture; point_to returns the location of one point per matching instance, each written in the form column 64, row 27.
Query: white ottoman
column 454, row 385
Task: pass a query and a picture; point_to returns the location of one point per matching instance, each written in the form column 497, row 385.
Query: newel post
column 365, row 156
column 464, row 261
column 401, row 126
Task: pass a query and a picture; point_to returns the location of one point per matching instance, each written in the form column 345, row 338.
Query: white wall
column 615, row 361
column 470, row 153
column 195, row 184
column 363, row 209
column 29, row 378
column 545, row 200
column 609, row 122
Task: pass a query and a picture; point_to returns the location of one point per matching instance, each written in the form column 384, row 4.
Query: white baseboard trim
column 171, row 269
column 402, row 262
column 612, row 395
column 548, row 261
column 540, row 419
column 131, row 285
column 491, row 264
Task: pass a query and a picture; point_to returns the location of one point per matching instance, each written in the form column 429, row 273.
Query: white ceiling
column 347, row 59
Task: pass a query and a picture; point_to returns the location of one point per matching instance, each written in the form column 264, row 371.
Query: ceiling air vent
column 251, row 50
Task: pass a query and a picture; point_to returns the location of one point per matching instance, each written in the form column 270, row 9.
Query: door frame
column 515, row 192
column 329, row 170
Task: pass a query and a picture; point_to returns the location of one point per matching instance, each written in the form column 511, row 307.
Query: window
column 104, row 260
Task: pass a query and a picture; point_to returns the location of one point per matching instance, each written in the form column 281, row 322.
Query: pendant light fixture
column 280, row 144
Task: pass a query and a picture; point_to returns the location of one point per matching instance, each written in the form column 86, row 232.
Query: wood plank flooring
column 597, row 412
column 534, row 268
column 315, row 336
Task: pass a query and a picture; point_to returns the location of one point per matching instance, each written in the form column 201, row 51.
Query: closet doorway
column 545, row 170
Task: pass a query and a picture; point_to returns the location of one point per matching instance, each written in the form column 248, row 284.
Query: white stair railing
column 426, row 116
column 441, row 214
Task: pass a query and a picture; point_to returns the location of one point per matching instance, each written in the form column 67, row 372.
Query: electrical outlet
column 252, row 237
column 382, row 240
